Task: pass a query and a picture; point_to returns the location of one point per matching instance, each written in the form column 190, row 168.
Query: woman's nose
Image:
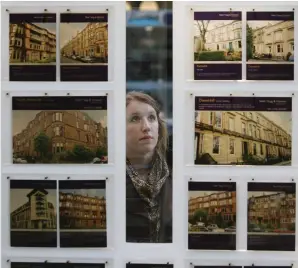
column 145, row 125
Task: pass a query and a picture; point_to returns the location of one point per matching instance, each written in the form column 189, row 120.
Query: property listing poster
column 32, row 47
column 84, row 47
column 243, row 131
column 148, row 265
column 59, row 130
column 33, row 213
column 212, row 215
column 271, row 216
column 270, row 45
column 55, row 265
column 217, row 45
column 73, row 197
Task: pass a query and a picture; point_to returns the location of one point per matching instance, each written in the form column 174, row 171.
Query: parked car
column 211, row 227
column 202, row 229
column 230, row 229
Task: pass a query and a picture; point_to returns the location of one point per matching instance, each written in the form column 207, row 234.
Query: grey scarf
column 149, row 191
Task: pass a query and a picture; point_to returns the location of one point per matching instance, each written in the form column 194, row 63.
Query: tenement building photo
column 63, row 130
column 30, row 43
column 82, row 212
column 241, row 138
column 215, row 205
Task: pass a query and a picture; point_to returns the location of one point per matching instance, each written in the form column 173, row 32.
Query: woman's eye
column 152, row 117
column 134, row 119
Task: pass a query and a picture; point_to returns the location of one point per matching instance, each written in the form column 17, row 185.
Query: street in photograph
column 217, row 45
column 271, row 216
column 32, row 47
column 60, row 130
column 270, row 45
column 212, row 215
column 33, row 209
column 82, row 213
column 243, row 131
column 84, row 47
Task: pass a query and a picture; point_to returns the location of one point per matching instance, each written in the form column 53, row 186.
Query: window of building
column 211, row 118
column 239, row 44
column 215, row 145
column 232, row 146
column 250, row 129
column 85, row 127
column 279, row 48
column 231, row 124
column 255, row 148
column 261, row 149
column 57, row 117
column 57, row 131
column 258, row 134
column 218, row 119
column 255, row 131
column 243, row 127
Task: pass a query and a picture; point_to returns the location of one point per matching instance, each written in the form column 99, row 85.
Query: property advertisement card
column 32, row 47
column 212, row 215
column 84, row 46
column 243, row 131
column 270, row 45
column 60, row 130
column 55, row 265
column 271, row 216
column 216, row 266
column 217, row 45
column 33, row 213
column 82, row 211
column 148, row 265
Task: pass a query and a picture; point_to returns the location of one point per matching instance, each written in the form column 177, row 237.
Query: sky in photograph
column 87, row 192
column 261, row 23
column 260, row 193
column 282, row 119
column 193, row 194
column 21, row 118
column 212, row 24
column 51, row 27
column 70, row 30
column 18, row 197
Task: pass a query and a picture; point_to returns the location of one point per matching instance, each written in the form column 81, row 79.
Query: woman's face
column 141, row 128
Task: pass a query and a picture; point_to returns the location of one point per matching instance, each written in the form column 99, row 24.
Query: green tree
column 82, row 154
column 200, row 216
column 219, row 220
column 42, row 144
column 100, row 152
column 249, row 42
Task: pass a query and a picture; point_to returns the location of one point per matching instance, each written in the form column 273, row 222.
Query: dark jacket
column 137, row 223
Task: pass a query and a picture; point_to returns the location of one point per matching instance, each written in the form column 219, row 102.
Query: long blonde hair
column 162, row 144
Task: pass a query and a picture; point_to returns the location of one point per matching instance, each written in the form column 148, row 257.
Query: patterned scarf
column 149, row 190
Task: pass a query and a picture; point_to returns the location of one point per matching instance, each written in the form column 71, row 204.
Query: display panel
column 84, row 46
column 271, row 216
column 32, row 47
column 149, row 125
column 55, row 265
column 33, row 213
column 270, row 45
column 60, row 130
column 148, row 265
column 217, row 45
column 212, row 215
column 82, row 210
column 243, row 131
